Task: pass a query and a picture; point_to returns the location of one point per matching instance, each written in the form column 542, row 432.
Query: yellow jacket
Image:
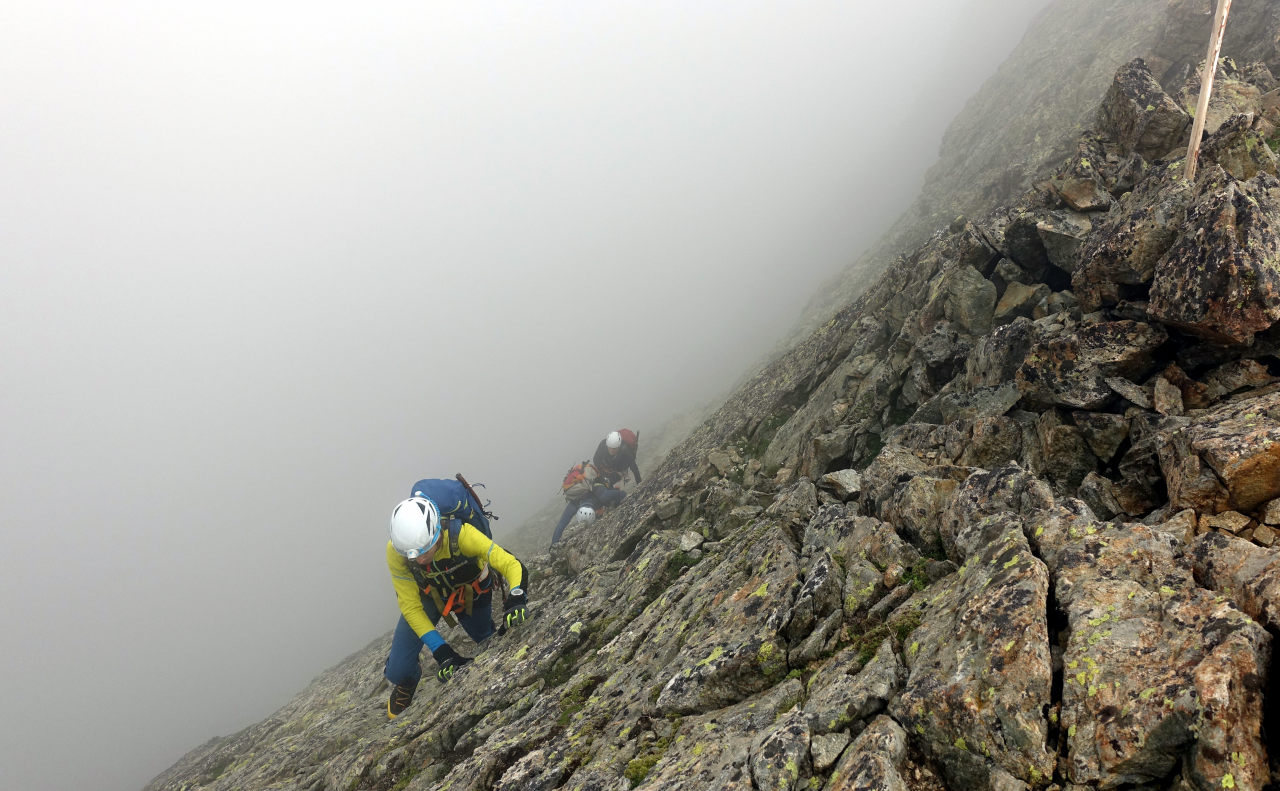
column 471, row 543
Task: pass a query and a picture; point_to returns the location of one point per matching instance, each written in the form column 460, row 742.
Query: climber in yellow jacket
column 441, row 568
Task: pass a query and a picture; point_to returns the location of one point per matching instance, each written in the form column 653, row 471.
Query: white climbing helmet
column 614, row 440
column 586, row 515
column 415, row 526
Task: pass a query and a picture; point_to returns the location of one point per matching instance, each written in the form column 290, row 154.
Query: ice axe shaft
column 475, row 497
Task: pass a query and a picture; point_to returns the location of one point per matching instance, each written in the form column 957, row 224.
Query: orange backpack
column 579, row 480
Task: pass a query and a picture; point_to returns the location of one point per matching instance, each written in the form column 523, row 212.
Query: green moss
column 905, row 625
column 405, row 780
column 217, row 769
column 572, row 701
column 679, row 560
column 754, row 447
column 916, row 576
column 638, row 768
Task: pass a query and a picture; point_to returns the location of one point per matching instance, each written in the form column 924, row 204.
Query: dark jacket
column 611, row 468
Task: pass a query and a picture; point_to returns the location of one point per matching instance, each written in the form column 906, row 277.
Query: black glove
column 513, row 609
column 449, row 661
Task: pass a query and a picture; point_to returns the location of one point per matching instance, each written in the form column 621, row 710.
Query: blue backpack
column 457, row 500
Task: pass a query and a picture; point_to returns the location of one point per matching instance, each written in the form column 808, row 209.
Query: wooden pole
column 1206, row 85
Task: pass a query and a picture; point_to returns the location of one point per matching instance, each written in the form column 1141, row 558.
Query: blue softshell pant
column 402, row 662
column 601, row 497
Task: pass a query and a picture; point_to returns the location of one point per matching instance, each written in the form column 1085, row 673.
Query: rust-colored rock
column 1226, row 458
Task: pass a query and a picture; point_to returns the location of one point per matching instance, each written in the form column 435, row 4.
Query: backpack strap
column 454, row 526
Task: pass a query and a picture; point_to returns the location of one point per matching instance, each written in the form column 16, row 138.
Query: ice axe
column 475, row 497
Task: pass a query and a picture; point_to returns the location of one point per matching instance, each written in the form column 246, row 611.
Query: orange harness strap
column 464, row 595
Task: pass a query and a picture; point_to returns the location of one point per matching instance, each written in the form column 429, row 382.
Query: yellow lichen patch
column 716, row 653
column 745, row 590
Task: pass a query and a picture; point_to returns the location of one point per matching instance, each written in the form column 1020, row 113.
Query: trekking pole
column 1206, row 85
column 474, row 496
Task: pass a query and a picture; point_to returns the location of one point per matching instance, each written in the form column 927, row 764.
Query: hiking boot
column 401, row 697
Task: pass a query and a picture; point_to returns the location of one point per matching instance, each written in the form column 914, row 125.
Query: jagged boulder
column 1096, row 172
column 1225, row 458
column 729, row 627
column 1233, row 92
column 1127, row 243
column 1139, row 115
column 1019, row 300
column 1103, row 431
column 1155, row 669
column 1221, row 277
column 1235, row 375
column 1070, row 367
column 849, row 691
column 984, row 630
column 844, row 484
column 964, row 298
column 1248, row 574
column 718, row 749
column 875, row 760
column 1240, row 147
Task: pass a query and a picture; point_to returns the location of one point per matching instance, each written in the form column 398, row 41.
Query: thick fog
column 265, row 264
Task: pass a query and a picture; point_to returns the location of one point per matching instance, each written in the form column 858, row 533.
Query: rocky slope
column 1007, row 521
column 1027, row 116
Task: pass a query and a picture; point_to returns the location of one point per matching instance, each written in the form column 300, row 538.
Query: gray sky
column 262, row 265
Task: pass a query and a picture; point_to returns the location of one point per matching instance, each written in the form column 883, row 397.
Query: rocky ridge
column 1028, row 115
column 1008, row 521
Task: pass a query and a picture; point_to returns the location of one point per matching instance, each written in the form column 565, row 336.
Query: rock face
column 1009, row 521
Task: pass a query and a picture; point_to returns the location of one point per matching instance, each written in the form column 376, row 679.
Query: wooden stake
column 1206, row 85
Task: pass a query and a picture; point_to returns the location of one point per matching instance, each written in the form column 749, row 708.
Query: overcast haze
column 265, row 264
